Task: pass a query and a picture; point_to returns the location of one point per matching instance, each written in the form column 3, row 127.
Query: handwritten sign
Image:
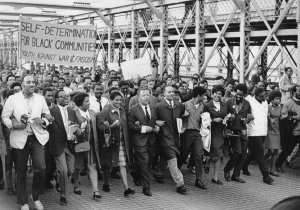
column 57, row 43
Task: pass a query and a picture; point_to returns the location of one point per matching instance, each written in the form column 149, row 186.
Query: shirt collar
column 84, row 114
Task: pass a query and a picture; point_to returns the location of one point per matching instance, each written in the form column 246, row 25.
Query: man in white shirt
column 22, row 115
column 97, row 102
column 257, row 131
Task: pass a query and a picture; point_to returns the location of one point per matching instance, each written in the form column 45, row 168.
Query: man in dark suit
column 59, row 145
column 142, row 124
column 241, row 110
column 167, row 113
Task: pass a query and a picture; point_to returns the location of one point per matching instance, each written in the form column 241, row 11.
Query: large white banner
column 57, row 43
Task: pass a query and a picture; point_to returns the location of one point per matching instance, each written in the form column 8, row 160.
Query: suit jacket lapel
column 60, row 119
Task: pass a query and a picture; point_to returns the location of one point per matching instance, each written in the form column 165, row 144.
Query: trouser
column 65, row 168
column 36, row 151
column 1, row 173
column 256, row 151
column 238, row 146
column 175, row 172
column 287, row 149
column 193, row 142
column 294, row 154
column 50, row 165
column 10, row 161
column 142, row 156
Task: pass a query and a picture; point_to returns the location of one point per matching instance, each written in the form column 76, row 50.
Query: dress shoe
column 96, row 195
column 217, row 181
column 115, row 176
column 268, row 180
column 181, row 189
column 227, row 175
column 63, row 201
column 246, row 172
column 279, row 169
column 25, row 207
column 200, row 184
column 11, row 191
column 274, row 174
column 147, row 192
column 38, row 205
column 291, row 165
column 77, row 191
column 128, row 192
column 106, row 188
column 237, row 179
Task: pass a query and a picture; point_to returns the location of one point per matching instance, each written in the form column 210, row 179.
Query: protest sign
column 57, row 43
column 136, row 68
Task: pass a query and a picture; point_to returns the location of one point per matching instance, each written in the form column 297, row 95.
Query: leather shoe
column 227, row 175
column 280, row 170
column 106, row 188
column 274, row 174
column 182, row 190
column 268, row 180
column 63, row 201
column 237, row 179
column 128, row 192
column 147, row 192
column 76, row 191
column 290, row 165
column 216, row 181
column 246, row 172
column 200, row 184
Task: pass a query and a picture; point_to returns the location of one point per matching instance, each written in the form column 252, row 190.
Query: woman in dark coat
column 113, row 118
column 217, row 111
column 87, row 116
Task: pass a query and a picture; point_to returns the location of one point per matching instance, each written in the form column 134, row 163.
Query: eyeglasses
column 65, row 96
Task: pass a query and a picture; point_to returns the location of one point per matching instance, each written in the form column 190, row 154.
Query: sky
column 103, row 4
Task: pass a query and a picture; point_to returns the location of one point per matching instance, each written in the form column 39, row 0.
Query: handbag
column 111, row 142
column 82, row 147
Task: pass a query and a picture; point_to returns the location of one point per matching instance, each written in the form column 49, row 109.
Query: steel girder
column 164, row 40
column 244, row 39
column 135, row 34
column 200, row 32
column 270, row 34
column 217, row 41
column 111, row 38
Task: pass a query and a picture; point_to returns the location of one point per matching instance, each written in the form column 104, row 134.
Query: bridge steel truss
column 176, row 31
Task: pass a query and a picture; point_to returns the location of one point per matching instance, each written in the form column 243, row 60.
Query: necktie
column 66, row 118
column 147, row 114
column 100, row 105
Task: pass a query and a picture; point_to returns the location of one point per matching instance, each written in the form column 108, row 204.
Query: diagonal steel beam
column 274, row 35
column 220, row 35
column 103, row 18
column 158, row 14
column 224, row 41
column 270, row 35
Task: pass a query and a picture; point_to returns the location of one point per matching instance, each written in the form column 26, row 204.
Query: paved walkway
column 254, row 194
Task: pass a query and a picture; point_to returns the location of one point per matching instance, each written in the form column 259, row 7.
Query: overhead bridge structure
column 175, row 33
